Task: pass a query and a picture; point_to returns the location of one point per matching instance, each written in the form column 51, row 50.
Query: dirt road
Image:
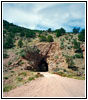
column 50, row 86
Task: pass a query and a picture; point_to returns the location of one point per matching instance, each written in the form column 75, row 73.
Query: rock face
column 52, row 54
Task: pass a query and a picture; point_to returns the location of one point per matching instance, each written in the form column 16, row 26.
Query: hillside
column 29, row 52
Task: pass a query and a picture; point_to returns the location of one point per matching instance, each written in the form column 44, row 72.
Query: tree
column 62, row 31
column 8, row 43
column 31, row 34
column 76, row 30
column 49, row 30
column 20, row 43
column 22, row 34
column 50, row 38
column 81, row 36
column 58, row 33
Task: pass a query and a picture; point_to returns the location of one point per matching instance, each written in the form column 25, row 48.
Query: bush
column 31, row 78
column 22, row 34
column 9, row 63
column 76, row 30
column 22, row 53
column 81, row 36
column 69, row 47
column 62, row 44
column 80, row 55
column 19, row 78
column 8, row 43
column 5, row 55
column 20, row 43
column 62, row 30
column 58, row 34
column 30, row 34
column 23, row 74
column 32, row 49
column 6, row 77
column 66, row 37
column 49, row 30
column 29, row 50
column 69, row 60
column 7, row 88
column 50, row 38
column 43, row 39
column 77, row 46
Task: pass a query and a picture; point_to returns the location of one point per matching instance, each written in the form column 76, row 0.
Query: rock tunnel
column 43, row 66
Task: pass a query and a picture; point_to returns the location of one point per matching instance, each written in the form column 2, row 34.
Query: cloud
column 45, row 15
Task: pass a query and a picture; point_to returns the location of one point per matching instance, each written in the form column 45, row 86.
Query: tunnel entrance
column 43, row 66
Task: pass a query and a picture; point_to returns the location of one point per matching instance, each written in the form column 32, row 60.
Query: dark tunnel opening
column 43, row 66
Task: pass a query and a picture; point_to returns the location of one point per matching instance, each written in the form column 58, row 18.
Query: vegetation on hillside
column 19, row 42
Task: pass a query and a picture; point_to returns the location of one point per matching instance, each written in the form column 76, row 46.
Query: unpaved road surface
column 50, row 86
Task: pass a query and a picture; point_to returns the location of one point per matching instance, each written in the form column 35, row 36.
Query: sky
column 45, row 15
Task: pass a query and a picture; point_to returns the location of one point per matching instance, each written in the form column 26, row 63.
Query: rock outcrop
column 49, row 52
column 52, row 54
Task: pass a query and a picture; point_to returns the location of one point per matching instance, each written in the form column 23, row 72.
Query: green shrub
column 43, row 39
column 20, row 43
column 66, row 37
column 58, row 34
column 62, row 44
column 19, row 78
column 9, row 63
column 81, row 36
column 12, row 71
column 22, row 34
column 6, row 77
column 69, row 60
column 49, row 30
column 71, row 36
column 30, row 34
column 29, row 50
column 60, row 73
column 8, row 43
column 7, row 88
column 5, row 55
column 23, row 73
column 50, row 38
column 77, row 46
column 22, row 53
column 31, row 78
column 32, row 49
column 76, row 30
column 80, row 55
column 69, row 47
column 56, row 57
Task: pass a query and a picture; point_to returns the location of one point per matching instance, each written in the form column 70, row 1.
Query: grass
column 71, row 75
column 68, row 73
column 7, row 88
column 23, row 73
column 31, row 78
column 19, row 78
column 56, row 57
